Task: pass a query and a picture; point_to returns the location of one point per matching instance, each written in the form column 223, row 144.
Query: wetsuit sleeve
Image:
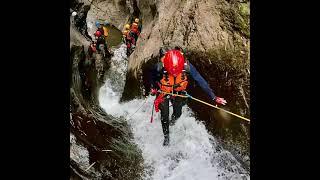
column 201, row 82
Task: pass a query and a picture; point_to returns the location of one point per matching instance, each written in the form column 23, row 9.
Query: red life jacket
column 135, row 28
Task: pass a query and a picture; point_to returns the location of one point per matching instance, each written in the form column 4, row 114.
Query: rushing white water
column 193, row 153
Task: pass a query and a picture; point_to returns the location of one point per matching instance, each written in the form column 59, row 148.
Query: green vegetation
column 236, row 58
column 237, row 17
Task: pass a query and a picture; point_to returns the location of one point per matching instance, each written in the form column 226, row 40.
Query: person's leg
column 128, row 47
column 108, row 54
column 133, row 42
column 164, row 108
column 136, row 37
column 177, row 104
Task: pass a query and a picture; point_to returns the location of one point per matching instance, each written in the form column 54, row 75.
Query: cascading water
column 193, row 153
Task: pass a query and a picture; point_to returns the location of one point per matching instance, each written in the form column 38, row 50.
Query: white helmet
column 74, row 13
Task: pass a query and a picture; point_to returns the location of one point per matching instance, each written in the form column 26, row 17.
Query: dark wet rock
column 93, row 131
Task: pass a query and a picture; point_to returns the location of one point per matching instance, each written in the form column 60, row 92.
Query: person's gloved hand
column 220, row 100
column 153, row 91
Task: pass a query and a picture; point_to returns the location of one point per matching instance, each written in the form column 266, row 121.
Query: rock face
column 76, row 38
column 116, row 12
column 100, row 145
column 202, row 25
column 92, row 131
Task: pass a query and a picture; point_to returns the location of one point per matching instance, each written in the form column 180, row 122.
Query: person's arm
column 201, row 81
column 204, row 85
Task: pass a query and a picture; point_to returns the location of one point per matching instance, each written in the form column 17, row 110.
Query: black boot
column 166, row 140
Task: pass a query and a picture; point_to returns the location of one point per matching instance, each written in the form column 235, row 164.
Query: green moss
column 234, row 58
column 244, row 9
column 237, row 17
column 242, row 18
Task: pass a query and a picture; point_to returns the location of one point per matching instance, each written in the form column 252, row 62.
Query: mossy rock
column 236, row 17
column 244, row 9
column 242, row 17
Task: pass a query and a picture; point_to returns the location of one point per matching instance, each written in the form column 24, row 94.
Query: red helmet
column 97, row 33
column 173, row 62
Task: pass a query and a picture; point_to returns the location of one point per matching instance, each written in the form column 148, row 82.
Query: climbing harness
column 188, row 96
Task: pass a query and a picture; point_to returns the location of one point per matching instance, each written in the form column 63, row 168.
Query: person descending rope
column 171, row 75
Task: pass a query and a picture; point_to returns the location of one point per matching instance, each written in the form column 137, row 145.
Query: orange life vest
column 169, row 83
column 105, row 31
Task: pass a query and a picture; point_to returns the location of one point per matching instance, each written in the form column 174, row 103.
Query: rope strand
column 188, row 96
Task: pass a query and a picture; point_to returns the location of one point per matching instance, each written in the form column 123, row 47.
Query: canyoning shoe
column 166, row 141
